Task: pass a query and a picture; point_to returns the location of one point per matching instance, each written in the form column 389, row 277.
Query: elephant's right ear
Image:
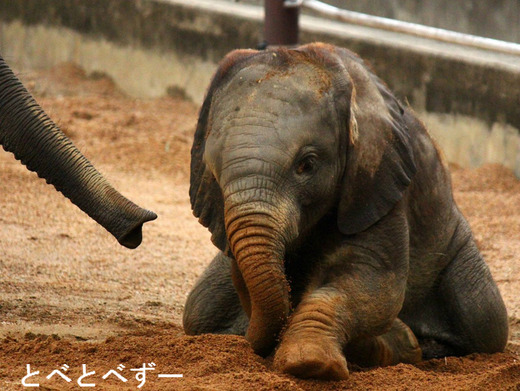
column 205, row 193
column 380, row 160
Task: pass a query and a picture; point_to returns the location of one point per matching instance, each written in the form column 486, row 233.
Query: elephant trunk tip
column 132, row 235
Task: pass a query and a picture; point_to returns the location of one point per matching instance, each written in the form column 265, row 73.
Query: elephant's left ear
column 380, row 163
column 205, row 194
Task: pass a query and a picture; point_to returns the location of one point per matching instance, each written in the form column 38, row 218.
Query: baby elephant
column 333, row 212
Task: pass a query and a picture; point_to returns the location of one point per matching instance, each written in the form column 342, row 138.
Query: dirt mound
column 213, row 362
column 70, row 295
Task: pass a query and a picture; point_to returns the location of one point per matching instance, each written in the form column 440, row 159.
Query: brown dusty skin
column 69, row 294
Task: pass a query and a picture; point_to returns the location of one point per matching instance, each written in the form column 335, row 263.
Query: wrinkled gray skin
column 37, row 142
column 333, row 211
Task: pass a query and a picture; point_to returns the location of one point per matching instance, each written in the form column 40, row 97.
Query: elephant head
column 27, row 131
column 285, row 138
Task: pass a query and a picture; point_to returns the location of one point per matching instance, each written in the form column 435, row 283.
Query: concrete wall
column 145, row 46
column 468, row 97
column 498, row 19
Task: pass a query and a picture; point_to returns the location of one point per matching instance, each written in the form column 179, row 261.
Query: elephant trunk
column 258, row 246
column 37, row 142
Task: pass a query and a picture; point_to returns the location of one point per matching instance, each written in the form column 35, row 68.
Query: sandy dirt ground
column 70, row 295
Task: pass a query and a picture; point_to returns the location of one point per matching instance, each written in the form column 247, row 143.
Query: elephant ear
column 380, row 163
column 205, row 194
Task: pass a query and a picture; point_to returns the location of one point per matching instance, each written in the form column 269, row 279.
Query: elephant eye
column 306, row 165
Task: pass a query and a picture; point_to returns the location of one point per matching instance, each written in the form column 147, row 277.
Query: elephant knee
column 213, row 312
column 478, row 312
column 190, row 319
column 213, row 305
column 188, row 324
column 490, row 335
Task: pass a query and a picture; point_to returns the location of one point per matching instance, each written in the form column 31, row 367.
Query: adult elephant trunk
column 257, row 241
column 37, row 142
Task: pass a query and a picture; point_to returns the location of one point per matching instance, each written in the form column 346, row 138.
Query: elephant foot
column 319, row 358
column 398, row 345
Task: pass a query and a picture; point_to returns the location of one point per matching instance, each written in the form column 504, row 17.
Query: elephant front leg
column 312, row 344
column 397, row 345
column 361, row 305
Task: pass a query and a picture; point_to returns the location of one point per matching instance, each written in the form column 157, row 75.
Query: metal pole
column 405, row 27
column 281, row 24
